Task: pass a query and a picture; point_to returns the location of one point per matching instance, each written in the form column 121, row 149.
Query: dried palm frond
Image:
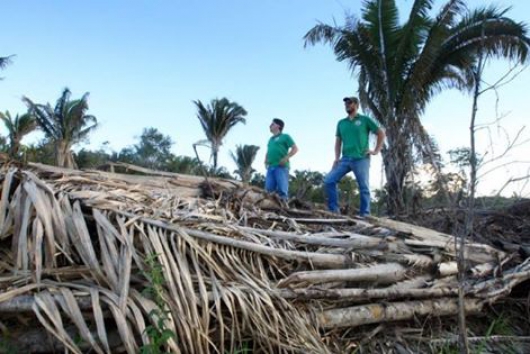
column 112, row 263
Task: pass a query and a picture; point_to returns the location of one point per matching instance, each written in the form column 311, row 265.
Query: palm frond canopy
column 67, row 121
column 244, row 157
column 19, row 126
column 4, row 61
column 404, row 65
column 219, row 117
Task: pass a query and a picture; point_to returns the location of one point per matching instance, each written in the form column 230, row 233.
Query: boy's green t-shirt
column 355, row 134
column 277, row 148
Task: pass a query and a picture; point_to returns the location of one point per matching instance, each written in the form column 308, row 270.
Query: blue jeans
column 361, row 170
column 277, row 180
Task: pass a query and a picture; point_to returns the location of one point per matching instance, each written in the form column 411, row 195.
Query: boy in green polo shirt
column 280, row 149
column 352, row 139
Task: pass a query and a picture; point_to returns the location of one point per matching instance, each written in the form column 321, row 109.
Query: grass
column 244, row 349
column 500, row 326
column 6, row 347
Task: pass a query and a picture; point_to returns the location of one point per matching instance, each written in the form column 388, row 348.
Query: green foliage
column 349, row 196
column 244, row 158
column 449, row 348
column 244, row 349
column 42, row 152
column 307, row 185
column 65, row 125
column 155, row 274
column 378, row 205
column 401, row 66
column 4, row 146
column 153, row 150
column 68, row 121
column 496, row 202
column 4, row 61
column 17, row 127
column 220, row 172
column 158, row 334
column 185, row 164
column 258, row 180
column 462, row 158
column 217, row 118
column 92, row 158
column 6, row 347
column 500, row 326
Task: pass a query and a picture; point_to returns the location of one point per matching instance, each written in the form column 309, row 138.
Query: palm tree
column 401, row 67
column 65, row 125
column 217, row 119
column 4, row 61
column 244, row 157
column 17, row 128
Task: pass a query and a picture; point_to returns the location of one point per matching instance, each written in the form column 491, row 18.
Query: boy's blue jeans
column 277, row 180
column 361, row 170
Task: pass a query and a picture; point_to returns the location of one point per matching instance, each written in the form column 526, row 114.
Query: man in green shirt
column 352, row 139
column 280, row 149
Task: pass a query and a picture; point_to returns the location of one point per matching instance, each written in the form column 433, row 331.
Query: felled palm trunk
column 388, row 312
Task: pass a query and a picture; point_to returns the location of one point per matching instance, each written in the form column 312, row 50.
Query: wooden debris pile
column 109, row 263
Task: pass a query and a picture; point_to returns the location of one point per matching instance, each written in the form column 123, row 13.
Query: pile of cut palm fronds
column 107, row 263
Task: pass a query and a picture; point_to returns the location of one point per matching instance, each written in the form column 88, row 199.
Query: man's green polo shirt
column 277, row 148
column 355, row 133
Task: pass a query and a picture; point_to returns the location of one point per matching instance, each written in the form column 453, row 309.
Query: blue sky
column 144, row 62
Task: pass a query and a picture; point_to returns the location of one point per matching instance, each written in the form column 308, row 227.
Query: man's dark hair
column 279, row 122
column 354, row 100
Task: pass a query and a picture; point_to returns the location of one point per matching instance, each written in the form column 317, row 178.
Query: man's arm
column 291, row 153
column 379, row 145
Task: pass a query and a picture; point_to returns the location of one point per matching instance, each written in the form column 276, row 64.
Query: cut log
column 380, row 274
column 397, row 311
column 353, row 241
column 366, row 294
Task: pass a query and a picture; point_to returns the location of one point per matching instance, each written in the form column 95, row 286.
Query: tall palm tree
column 401, row 67
column 217, row 119
column 244, row 157
column 66, row 125
column 17, row 128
